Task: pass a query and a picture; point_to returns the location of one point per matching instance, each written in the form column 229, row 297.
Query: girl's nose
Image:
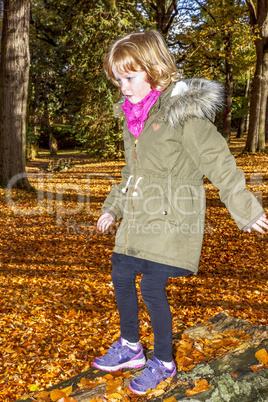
column 124, row 86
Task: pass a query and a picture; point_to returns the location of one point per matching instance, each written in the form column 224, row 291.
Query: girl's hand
column 104, row 222
column 260, row 225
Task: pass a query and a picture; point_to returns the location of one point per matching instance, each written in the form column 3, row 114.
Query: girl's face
column 133, row 84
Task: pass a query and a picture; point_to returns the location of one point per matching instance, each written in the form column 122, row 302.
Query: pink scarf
column 137, row 114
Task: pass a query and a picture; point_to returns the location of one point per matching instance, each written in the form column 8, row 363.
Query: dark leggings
column 153, row 290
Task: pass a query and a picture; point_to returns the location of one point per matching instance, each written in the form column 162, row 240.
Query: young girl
column 170, row 144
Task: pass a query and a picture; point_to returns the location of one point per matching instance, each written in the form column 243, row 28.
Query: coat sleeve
column 115, row 202
column 211, row 154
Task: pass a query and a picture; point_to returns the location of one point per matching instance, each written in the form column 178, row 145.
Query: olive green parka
column 161, row 197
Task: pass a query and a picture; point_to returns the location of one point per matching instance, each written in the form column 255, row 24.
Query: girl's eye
column 129, row 78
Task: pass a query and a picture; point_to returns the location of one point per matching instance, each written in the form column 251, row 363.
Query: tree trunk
column 257, row 115
column 266, row 124
column 264, row 96
column 256, row 133
column 242, row 121
column 14, row 76
column 45, row 119
column 229, row 86
column 165, row 12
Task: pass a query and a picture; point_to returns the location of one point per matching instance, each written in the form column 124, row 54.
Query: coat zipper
column 132, row 203
column 135, row 148
column 137, row 175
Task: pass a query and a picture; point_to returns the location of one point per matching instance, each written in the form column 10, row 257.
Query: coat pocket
column 183, row 203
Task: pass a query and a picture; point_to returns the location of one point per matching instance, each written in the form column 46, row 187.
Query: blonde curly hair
column 143, row 51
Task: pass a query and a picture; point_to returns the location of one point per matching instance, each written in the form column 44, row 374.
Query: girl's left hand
column 260, row 225
column 105, row 221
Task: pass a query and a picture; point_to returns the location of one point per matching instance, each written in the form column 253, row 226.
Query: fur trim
column 196, row 97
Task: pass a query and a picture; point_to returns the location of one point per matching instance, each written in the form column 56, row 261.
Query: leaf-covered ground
column 57, row 307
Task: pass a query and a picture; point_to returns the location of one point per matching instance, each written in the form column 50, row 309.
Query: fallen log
column 223, row 352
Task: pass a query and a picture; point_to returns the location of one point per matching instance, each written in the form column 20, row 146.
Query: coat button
column 165, row 213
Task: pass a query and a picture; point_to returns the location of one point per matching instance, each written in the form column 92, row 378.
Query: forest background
column 51, row 273
column 69, row 98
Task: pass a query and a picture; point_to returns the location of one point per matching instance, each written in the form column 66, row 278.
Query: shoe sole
column 130, row 364
column 135, row 391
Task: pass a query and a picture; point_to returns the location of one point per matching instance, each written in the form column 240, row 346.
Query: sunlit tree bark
column 256, row 133
column 14, row 75
column 229, row 88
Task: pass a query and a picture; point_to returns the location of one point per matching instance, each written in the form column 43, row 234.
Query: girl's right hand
column 104, row 222
column 261, row 225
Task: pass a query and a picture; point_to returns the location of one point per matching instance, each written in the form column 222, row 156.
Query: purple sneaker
column 151, row 376
column 119, row 356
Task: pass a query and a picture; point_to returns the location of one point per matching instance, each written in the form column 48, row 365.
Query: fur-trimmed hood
column 196, row 97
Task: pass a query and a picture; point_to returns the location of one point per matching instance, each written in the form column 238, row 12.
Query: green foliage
column 68, row 85
column 206, row 40
column 69, row 40
column 65, row 136
column 102, row 24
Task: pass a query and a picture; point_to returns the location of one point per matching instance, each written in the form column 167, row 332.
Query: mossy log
column 230, row 375
column 247, row 386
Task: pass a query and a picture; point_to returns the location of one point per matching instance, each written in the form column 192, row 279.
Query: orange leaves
column 43, row 395
column 171, row 399
column 262, row 357
column 160, row 389
column 200, row 386
column 96, row 399
column 234, row 375
column 58, row 309
column 56, row 394
column 114, row 385
column 257, row 367
column 88, row 383
column 190, row 352
column 117, row 389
